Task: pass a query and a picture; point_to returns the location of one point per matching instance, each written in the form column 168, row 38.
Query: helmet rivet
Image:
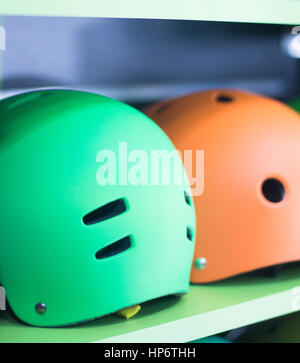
column 200, row 263
column 41, row 308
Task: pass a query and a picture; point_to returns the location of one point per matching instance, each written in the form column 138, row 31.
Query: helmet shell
column 247, row 140
column 295, row 104
column 48, row 158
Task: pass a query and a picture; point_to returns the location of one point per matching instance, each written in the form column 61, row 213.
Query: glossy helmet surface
column 72, row 249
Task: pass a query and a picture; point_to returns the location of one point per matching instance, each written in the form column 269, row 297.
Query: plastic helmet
column 75, row 246
column 296, row 104
column 248, row 214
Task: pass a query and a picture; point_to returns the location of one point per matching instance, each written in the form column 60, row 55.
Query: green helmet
column 295, row 104
column 75, row 247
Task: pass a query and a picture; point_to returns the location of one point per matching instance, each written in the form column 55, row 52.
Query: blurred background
column 142, row 61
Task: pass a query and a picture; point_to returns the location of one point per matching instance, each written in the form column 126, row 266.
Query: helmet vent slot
column 187, row 198
column 114, row 249
column 223, row 98
column 189, row 233
column 105, row 212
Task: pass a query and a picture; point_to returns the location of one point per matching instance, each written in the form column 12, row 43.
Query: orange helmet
column 248, row 216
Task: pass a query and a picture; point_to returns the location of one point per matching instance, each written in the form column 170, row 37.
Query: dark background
column 141, row 61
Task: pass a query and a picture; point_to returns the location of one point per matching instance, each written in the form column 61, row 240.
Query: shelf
column 275, row 87
column 258, row 11
column 205, row 311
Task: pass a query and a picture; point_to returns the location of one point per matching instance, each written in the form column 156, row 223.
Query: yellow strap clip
column 128, row 313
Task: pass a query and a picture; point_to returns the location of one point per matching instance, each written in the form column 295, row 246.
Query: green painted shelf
column 258, row 11
column 206, row 310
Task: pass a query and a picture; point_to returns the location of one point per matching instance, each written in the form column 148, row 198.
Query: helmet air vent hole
column 114, row 249
column 189, row 233
column 187, row 198
column 107, row 211
column 273, row 190
column 223, row 98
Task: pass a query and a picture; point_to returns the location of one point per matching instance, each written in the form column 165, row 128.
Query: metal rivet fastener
column 200, row 263
column 41, row 308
